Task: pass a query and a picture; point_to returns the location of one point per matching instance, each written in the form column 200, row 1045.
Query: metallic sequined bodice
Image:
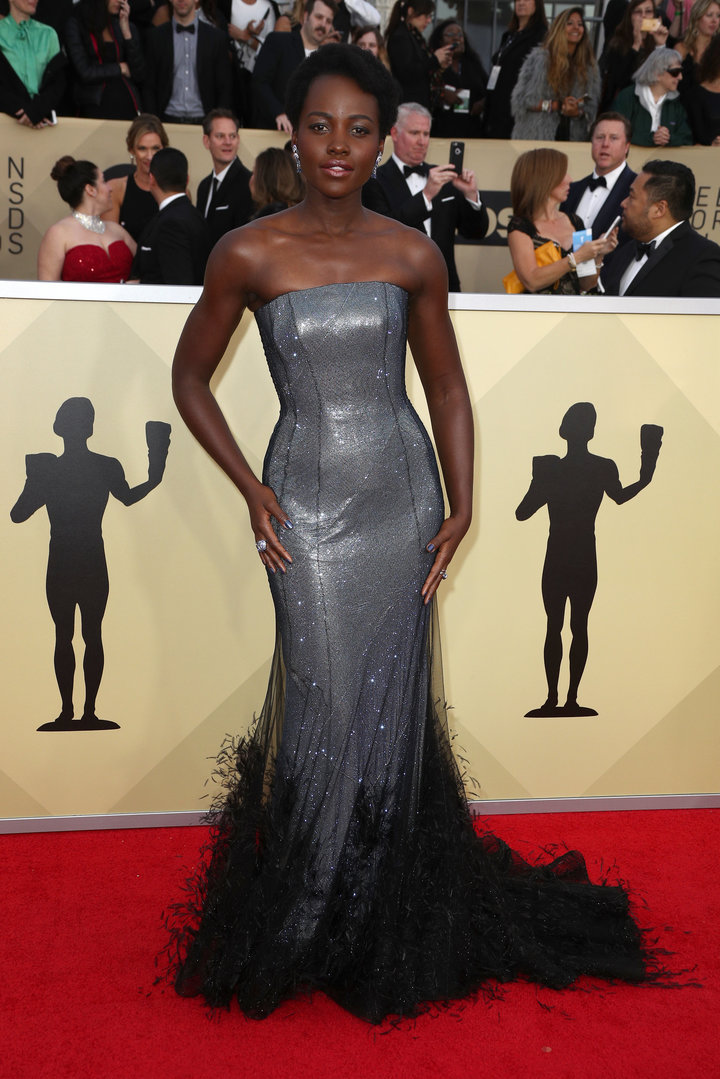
column 354, row 469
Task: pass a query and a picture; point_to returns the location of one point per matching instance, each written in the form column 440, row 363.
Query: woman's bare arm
column 432, row 342
column 202, row 345
column 51, row 254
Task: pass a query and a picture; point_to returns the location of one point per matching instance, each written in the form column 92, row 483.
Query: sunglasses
column 674, row 71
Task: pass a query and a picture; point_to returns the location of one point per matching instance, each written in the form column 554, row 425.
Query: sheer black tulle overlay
column 342, row 854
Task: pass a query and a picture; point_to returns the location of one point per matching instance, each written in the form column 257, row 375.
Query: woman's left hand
column 661, row 137
column 466, row 184
column 445, row 543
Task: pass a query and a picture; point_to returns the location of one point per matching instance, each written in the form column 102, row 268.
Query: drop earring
column 296, row 155
column 378, row 159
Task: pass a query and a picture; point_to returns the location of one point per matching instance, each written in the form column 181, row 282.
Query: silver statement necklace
column 91, row 222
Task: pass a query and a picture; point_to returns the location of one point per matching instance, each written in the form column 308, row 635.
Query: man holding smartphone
column 437, row 199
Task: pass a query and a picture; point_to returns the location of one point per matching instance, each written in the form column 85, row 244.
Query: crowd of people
column 222, row 63
column 178, row 59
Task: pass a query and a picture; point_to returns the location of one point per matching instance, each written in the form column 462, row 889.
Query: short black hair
column 352, row 63
column 170, row 169
column 672, row 182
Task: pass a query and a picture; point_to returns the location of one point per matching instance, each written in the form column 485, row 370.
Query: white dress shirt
column 592, row 201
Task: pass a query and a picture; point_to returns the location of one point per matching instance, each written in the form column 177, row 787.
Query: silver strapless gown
column 342, row 855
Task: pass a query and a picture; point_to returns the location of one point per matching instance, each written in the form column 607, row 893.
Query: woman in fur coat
column 557, row 93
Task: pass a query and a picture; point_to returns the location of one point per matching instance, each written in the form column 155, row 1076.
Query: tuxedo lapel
column 656, row 257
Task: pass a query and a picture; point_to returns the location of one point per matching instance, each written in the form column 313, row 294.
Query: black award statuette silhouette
column 572, row 487
column 74, row 488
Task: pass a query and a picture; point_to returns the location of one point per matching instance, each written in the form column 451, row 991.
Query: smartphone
column 457, row 154
column 608, row 231
column 649, row 26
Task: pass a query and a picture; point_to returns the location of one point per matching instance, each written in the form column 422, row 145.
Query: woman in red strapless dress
column 82, row 247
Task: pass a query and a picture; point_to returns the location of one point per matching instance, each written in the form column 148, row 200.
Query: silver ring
column 443, row 574
column 261, row 545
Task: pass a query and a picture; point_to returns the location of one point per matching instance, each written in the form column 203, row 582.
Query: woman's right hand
column 593, row 249
column 661, row 137
column 263, row 507
column 444, row 56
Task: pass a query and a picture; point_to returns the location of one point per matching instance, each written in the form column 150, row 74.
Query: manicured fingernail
column 288, row 524
column 430, row 547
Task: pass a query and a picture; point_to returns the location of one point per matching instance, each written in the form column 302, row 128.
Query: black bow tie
column 643, row 249
column 184, row 29
column 598, row 181
column 408, row 170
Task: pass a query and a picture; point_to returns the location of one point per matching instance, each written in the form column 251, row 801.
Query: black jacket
column 390, row 195
column 609, row 209
column 214, row 72
column 276, row 61
column 91, row 72
column 14, row 95
column 685, row 264
column 514, row 49
column 413, row 65
column 232, row 205
column 174, row 248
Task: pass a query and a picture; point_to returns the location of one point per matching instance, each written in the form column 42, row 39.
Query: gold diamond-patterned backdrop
column 188, row 630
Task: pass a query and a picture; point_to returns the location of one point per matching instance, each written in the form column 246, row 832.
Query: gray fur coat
column 532, row 87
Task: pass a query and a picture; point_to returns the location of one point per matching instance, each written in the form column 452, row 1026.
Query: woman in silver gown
column 342, row 855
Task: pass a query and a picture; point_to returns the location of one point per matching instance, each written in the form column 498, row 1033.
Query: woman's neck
column 523, row 22
column 658, row 91
column 142, row 178
column 550, row 212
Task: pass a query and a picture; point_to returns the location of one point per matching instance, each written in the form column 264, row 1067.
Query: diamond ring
column 261, row 545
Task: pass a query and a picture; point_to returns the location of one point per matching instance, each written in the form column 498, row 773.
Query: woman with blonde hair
column 557, row 92
column 703, row 26
column 133, row 205
column 538, row 185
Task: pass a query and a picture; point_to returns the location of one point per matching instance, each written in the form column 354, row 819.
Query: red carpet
column 82, row 913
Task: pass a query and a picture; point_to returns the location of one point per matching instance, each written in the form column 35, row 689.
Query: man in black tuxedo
column 188, row 67
column 431, row 198
column 669, row 258
column 174, row 248
column 223, row 197
column 597, row 198
column 279, row 56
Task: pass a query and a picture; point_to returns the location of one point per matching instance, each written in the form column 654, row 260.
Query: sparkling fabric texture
column 91, row 262
column 342, row 854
